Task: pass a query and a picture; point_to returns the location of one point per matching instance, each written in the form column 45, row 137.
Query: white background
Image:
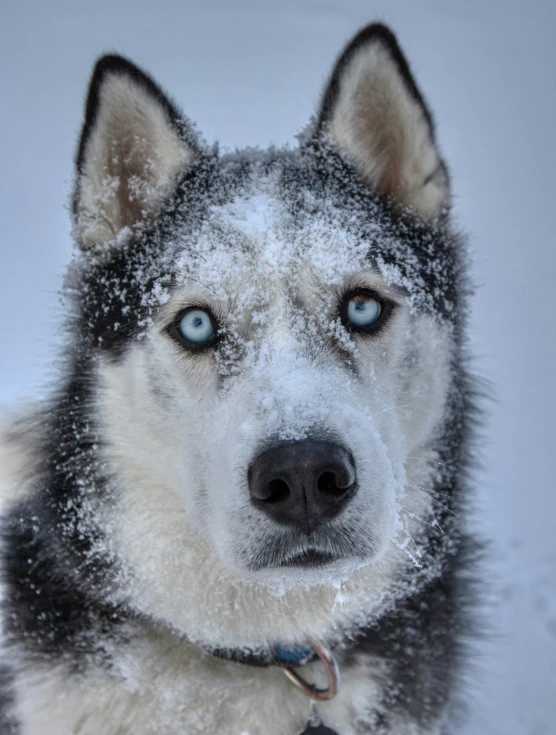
column 250, row 72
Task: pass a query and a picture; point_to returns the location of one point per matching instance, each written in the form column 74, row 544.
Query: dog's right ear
column 134, row 144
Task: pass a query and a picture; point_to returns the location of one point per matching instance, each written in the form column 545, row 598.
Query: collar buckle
column 332, row 675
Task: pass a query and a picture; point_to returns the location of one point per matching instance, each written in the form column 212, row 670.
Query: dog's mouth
column 327, row 549
column 308, row 559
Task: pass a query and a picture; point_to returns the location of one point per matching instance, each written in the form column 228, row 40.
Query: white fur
column 178, row 446
column 183, row 519
column 20, row 434
column 180, row 430
column 163, row 686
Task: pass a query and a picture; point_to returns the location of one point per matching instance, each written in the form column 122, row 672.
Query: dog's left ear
column 373, row 110
column 133, row 146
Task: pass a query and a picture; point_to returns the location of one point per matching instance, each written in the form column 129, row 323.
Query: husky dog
column 256, row 457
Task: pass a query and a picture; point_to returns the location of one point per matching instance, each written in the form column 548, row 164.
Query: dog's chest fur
column 153, row 508
column 160, row 687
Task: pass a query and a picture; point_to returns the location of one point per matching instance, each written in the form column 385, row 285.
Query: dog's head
column 272, row 333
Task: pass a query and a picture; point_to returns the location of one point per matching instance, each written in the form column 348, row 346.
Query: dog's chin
column 326, row 556
column 332, row 573
column 308, row 559
column 307, row 567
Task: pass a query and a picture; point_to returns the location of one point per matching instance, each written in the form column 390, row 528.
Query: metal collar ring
column 332, row 675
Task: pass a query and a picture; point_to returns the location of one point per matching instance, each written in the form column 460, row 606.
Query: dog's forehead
column 236, row 242
column 258, row 242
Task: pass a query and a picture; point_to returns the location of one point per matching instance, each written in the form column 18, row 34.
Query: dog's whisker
column 412, row 514
column 201, row 283
column 392, row 408
column 432, row 461
column 435, row 500
column 220, row 470
column 429, row 491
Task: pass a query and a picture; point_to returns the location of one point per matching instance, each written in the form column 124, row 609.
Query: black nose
column 302, row 483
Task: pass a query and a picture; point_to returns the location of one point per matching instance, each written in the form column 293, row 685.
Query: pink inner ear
column 134, row 145
column 378, row 118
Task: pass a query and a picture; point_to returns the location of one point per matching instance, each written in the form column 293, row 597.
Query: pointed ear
column 134, row 144
column 374, row 112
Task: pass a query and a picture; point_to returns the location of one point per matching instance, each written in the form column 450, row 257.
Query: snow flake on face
column 270, row 249
column 255, row 223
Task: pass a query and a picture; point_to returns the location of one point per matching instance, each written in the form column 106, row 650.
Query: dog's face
column 271, row 391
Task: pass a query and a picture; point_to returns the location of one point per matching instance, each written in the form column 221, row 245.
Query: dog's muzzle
column 303, row 484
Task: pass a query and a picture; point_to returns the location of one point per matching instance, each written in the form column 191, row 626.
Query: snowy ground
column 249, row 72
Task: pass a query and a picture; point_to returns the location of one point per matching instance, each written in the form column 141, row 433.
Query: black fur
column 55, row 581
column 58, row 584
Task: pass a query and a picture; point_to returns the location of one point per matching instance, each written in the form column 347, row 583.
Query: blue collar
column 278, row 656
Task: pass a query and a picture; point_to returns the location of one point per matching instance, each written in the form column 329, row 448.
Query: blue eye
column 363, row 310
column 196, row 326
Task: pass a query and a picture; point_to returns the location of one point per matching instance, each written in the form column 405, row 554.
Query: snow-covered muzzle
column 263, row 430
column 185, row 426
column 291, row 395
